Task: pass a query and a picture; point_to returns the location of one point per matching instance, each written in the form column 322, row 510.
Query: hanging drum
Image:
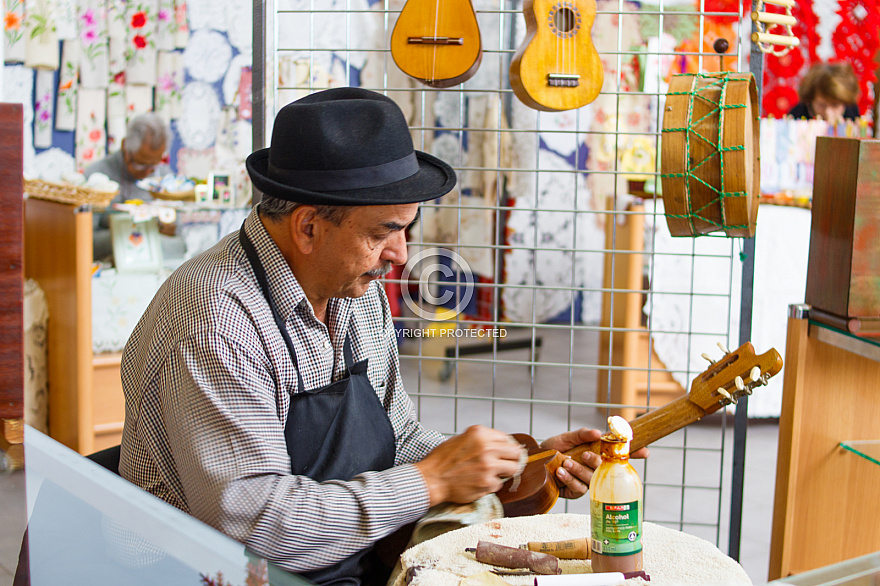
column 710, row 154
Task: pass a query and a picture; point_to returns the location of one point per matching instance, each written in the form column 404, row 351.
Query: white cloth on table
column 671, row 558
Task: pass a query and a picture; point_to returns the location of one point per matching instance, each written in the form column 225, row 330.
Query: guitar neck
column 654, row 425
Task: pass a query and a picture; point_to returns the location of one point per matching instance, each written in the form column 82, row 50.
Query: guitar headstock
column 733, row 376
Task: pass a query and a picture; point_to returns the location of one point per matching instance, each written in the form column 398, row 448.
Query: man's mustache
column 380, row 271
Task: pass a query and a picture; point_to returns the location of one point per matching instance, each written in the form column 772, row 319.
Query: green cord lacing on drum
column 720, row 107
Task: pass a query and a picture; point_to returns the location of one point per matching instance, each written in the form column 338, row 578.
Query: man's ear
column 303, row 228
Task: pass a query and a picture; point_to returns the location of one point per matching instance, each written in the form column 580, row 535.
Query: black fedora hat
column 346, row 146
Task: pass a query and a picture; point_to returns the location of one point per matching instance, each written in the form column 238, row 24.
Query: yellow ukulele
column 557, row 66
column 437, row 41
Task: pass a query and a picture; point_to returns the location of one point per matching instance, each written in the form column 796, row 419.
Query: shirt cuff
column 409, row 490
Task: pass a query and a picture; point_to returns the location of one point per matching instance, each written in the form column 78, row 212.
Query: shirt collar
column 286, row 290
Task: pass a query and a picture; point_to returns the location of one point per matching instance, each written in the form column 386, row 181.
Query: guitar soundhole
column 564, row 20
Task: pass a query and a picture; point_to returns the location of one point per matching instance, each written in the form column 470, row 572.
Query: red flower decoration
column 787, row 66
column 138, row 20
column 95, row 135
column 139, row 41
column 780, row 100
column 119, row 78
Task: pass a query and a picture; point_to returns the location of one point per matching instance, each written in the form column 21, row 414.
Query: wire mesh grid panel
column 547, row 292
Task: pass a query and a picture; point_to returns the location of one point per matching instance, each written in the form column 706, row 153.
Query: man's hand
column 470, row 465
column 575, row 476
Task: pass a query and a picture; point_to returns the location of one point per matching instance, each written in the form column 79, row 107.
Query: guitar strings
column 434, row 47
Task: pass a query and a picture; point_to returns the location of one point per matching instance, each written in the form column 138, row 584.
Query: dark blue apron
column 334, row 433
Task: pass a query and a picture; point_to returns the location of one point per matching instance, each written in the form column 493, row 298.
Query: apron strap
column 260, row 273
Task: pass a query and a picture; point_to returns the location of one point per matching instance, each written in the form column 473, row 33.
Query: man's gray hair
column 275, row 209
column 149, row 127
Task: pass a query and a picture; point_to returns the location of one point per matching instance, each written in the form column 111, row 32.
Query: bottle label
column 616, row 528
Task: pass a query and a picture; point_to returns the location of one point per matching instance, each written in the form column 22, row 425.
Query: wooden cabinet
column 86, row 405
column 826, row 508
column 11, row 290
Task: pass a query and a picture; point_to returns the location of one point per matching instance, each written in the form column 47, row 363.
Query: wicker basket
column 70, row 194
column 175, row 195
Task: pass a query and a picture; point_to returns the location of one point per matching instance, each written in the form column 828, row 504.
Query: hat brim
column 434, row 178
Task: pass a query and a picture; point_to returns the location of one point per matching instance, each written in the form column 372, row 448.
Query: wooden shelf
column 86, row 404
column 826, row 505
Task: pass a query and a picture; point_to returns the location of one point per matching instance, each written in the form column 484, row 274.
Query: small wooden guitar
column 723, row 383
column 557, row 66
column 437, row 41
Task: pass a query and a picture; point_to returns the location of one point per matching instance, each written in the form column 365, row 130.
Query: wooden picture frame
column 136, row 246
column 222, row 188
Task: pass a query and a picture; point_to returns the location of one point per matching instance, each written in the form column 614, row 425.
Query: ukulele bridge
column 563, row 79
column 435, row 40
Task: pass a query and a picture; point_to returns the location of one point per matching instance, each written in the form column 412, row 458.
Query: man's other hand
column 575, row 475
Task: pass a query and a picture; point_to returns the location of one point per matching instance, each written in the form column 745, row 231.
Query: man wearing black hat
column 262, row 385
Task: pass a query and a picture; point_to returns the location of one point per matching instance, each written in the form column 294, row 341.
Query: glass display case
column 86, row 525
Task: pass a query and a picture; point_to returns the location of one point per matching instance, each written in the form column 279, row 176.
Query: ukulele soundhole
column 564, row 20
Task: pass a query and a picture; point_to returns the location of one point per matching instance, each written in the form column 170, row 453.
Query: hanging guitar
column 557, row 66
column 723, row 383
column 437, row 41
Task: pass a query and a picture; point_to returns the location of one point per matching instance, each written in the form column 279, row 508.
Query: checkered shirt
column 207, row 381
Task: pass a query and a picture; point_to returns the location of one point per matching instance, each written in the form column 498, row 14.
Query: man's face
column 362, row 248
column 828, row 109
column 144, row 161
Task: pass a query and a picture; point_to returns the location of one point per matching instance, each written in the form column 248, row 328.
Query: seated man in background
column 828, row 91
column 262, row 385
column 141, row 155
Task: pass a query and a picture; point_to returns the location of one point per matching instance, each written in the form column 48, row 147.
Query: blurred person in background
column 829, row 91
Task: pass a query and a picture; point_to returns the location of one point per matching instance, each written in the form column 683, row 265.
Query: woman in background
column 829, row 91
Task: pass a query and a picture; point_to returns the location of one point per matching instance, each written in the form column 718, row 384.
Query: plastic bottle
column 616, row 504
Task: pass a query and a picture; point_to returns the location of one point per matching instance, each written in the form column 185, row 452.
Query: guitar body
column 437, row 41
column 722, row 383
column 537, row 489
column 557, row 66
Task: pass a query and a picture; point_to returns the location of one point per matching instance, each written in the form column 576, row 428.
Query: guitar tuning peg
column 707, row 357
column 738, row 381
column 755, row 373
column 726, row 395
column 723, row 348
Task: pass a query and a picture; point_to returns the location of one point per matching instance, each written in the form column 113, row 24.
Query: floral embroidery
column 39, row 20
column 88, row 36
column 43, row 110
column 88, row 18
column 95, row 135
column 12, row 21
column 142, row 30
column 163, row 15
